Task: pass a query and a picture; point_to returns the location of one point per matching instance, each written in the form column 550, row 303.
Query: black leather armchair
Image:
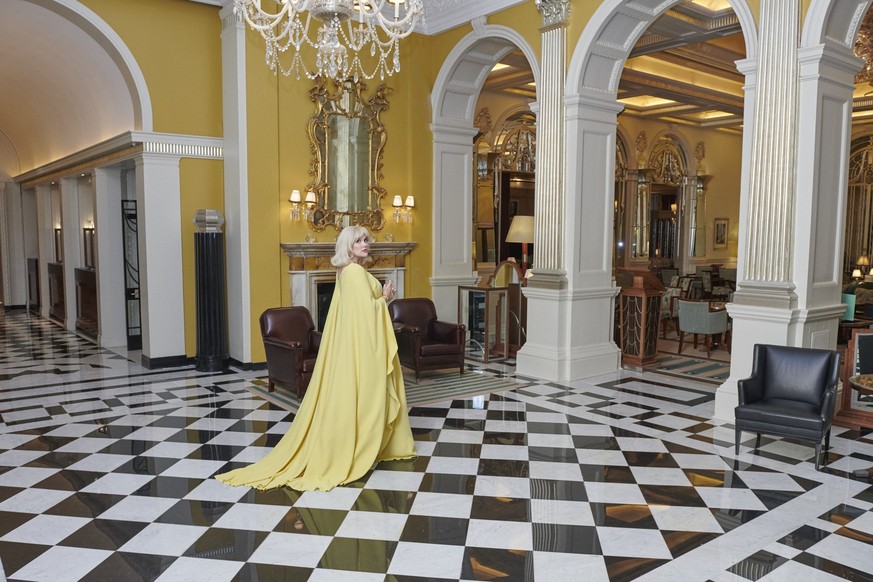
column 423, row 341
column 791, row 393
column 291, row 345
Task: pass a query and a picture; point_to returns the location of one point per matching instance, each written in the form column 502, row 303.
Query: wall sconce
column 403, row 210
column 521, row 230
column 302, row 211
column 311, row 201
column 674, row 208
column 295, row 205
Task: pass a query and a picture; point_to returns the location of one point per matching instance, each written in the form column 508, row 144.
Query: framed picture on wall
column 720, row 234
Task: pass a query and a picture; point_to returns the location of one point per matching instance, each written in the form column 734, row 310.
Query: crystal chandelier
column 345, row 28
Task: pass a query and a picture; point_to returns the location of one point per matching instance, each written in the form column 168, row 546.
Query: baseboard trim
column 167, row 362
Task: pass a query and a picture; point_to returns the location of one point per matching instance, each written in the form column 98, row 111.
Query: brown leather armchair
column 291, row 344
column 424, row 342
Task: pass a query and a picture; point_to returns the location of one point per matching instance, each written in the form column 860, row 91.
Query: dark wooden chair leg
column 271, row 386
column 681, row 339
column 738, row 434
column 757, row 440
column 817, row 455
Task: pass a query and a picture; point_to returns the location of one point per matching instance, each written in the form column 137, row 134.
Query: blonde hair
column 343, row 253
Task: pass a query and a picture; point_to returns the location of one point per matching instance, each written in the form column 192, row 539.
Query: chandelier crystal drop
column 345, row 29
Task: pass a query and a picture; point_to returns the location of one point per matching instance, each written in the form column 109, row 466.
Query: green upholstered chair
column 696, row 317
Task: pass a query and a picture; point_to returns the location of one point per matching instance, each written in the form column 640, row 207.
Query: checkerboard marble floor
column 106, row 474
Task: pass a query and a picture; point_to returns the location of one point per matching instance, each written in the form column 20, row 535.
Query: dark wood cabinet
column 86, row 301
column 33, row 285
column 57, row 304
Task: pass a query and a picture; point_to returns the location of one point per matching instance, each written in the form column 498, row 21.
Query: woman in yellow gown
column 353, row 414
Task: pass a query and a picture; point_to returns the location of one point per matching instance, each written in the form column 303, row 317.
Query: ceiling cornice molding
column 124, row 146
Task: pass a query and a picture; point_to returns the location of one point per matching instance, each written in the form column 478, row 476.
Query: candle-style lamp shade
column 521, row 230
column 856, row 274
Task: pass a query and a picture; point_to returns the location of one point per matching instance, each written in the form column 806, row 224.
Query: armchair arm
column 449, row 333
column 750, row 389
column 314, row 340
column 403, row 328
column 288, row 345
column 828, row 403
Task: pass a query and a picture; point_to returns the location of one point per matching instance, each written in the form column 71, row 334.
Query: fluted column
column 549, row 197
column 774, row 155
column 765, row 307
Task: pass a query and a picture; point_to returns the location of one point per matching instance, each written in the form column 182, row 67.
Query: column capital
column 555, row 12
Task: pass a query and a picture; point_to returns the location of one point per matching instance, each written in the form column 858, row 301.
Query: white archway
column 453, row 101
column 591, row 110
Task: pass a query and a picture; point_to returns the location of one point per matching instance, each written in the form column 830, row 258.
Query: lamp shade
column 521, row 229
column 856, row 274
column 863, row 261
column 295, row 196
column 410, row 201
column 310, row 197
column 398, row 201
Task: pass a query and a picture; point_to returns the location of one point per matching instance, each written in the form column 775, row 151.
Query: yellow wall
column 177, row 46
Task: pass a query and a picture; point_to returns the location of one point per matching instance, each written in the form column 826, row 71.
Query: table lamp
column 521, row 230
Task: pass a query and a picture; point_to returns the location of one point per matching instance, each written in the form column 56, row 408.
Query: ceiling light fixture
column 347, row 27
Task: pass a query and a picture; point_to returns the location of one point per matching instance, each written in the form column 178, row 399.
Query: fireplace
column 313, row 278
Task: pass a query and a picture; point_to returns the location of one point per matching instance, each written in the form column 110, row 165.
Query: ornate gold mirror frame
column 347, row 138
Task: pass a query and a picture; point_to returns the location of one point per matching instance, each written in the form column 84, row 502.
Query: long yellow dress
column 354, row 411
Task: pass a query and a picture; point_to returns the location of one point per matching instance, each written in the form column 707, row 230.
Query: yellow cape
column 354, row 411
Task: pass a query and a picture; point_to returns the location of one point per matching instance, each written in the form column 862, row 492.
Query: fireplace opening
column 323, row 295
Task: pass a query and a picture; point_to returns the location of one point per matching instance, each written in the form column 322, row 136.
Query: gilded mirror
column 347, row 138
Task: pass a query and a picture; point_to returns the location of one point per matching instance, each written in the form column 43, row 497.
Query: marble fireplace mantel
column 309, row 266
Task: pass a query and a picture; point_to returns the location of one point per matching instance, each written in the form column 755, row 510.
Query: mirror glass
column 347, row 139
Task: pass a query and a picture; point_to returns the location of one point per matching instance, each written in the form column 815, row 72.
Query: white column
column 570, row 297
column 159, row 235
column 73, row 244
column 45, row 228
column 765, row 307
column 452, row 213
column 112, row 330
column 14, row 261
column 236, row 199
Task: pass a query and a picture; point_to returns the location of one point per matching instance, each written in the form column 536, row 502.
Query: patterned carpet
column 701, row 369
column 432, row 387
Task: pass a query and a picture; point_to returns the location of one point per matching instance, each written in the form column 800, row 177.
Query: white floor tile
column 186, row 569
column 307, row 550
column 164, row 539
column 372, row 525
column 61, row 564
column 252, row 517
column 45, row 529
column 624, row 541
column 139, row 508
column 427, row 560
